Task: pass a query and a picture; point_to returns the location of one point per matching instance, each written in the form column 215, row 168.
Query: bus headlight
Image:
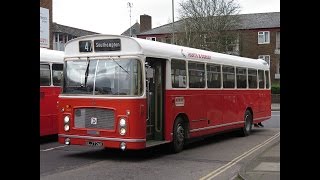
column 122, row 126
column 122, row 131
column 66, row 127
column 122, row 122
column 66, row 119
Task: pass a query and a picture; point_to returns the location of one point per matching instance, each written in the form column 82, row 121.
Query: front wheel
column 246, row 130
column 178, row 135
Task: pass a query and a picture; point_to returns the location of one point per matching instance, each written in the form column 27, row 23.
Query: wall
column 249, row 47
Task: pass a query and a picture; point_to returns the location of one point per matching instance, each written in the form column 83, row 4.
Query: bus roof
column 138, row 46
column 48, row 55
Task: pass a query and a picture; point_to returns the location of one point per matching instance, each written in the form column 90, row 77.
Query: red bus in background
column 51, row 69
column 130, row 93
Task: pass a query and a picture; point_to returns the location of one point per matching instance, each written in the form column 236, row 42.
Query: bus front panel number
column 85, row 46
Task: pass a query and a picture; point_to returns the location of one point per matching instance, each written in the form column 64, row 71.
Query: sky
column 113, row 16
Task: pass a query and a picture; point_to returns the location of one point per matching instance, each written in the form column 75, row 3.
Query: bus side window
column 178, row 74
column 267, row 79
column 44, row 75
column 252, row 78
column 57, row 70
column 241, row 77
column 228, row 76
column 261, row 79
column 213, row 76
column 196, row 75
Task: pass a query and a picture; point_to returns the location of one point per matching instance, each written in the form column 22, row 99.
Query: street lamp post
column 172, row 22
column 130, row 6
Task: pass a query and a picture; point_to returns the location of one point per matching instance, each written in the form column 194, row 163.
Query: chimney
column 145, row 23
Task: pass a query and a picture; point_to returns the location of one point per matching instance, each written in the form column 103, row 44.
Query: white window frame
column 266, row 38
column 151, row 38
column 278, row 40
column 263, row 57
column 277, row 74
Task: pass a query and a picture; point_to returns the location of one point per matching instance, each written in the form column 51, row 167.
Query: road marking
column 239, row 158
column 44, row 150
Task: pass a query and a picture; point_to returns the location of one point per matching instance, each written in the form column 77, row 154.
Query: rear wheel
column 246, row 130
column 178, row 135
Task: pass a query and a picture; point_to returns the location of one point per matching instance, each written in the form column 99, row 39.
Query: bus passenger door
column 155, row 77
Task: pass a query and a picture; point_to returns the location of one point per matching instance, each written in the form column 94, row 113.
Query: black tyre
column 246, row 130
column 178, row 135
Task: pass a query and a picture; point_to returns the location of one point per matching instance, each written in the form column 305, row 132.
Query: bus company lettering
column 199, row 56
column 108, row 45
column 179, row 101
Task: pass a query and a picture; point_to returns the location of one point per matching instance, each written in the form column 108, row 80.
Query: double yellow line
column 216, row 172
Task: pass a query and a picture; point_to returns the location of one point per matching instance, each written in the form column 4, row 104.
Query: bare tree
column 208, row 24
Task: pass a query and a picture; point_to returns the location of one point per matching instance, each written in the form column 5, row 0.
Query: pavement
column 266, row 165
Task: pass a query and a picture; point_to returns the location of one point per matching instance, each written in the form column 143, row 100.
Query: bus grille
column 94, row 118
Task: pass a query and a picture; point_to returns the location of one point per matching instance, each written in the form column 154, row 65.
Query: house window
column 278, row 40
column 265, row 57
column 277, row 75
column 278, row 67
column 168, row 40
column 263, row 37
column 232, row 46
column 151, row 38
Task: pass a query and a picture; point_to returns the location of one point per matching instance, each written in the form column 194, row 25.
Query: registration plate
column 94, row 143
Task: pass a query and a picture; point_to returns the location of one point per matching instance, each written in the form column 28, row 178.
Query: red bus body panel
column 212, row 111
column 136, row 128
column 48, row 110
column 208, row 112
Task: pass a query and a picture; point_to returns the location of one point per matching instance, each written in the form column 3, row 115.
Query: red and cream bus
column 130, row 93
column 51, row 69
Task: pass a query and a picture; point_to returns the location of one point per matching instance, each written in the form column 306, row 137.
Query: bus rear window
column 44, row 75
column 57, row 70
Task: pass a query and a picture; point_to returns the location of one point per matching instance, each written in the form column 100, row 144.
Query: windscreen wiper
column 121, row 66
column 86, row 73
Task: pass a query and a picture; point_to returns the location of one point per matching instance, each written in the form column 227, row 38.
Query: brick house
column 145, row 25
column 258, row 37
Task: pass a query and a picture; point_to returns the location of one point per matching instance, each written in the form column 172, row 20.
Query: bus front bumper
column 106, row 142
